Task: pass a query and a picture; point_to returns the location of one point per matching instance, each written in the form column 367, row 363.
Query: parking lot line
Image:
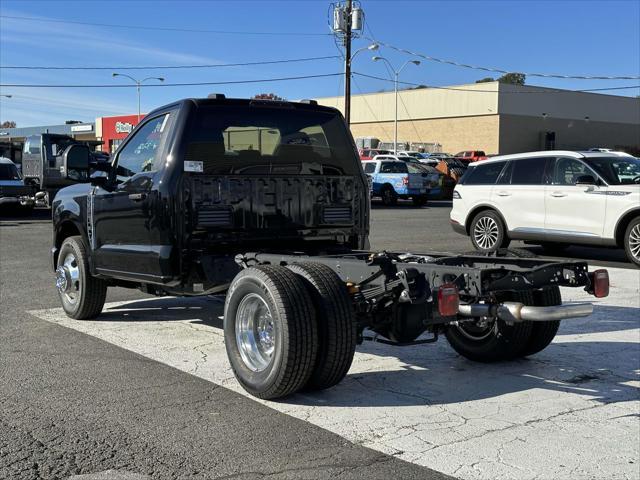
column 571, row 411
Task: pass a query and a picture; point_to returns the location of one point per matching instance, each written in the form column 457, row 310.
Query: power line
column 167, row 67
column 155, row 85
column 498, row 70
column 546, row 90
column 165, row 29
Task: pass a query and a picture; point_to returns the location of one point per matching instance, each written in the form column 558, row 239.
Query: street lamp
column 347, row 79
column 396, row 74
column 138, row 84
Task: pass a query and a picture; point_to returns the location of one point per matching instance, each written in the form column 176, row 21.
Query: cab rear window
column 263, row 140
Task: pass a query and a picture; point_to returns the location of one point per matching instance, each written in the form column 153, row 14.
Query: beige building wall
column 524, row 134
column 455, row 134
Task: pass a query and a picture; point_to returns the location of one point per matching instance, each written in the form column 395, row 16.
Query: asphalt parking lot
column 146, row 388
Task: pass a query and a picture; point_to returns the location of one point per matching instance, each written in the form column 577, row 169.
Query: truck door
column 122, row 217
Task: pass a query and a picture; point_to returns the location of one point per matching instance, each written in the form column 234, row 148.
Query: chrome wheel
column 255, row 332
column 486, row 233
column 634, row 242
column 68, row 279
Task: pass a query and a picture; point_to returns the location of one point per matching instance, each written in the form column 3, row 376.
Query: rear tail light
column 456, row 195
column 405, row 180
column 601, row 283
column 448, row 300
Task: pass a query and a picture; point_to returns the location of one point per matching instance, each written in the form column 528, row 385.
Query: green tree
column 486, row 80
column 513, row 78
column 8, row 124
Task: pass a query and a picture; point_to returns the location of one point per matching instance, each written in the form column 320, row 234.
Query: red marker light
column 601, row 283
column 448, row 300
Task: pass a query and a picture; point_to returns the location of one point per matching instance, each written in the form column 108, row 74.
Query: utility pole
column 347, row 64
column 348, row 22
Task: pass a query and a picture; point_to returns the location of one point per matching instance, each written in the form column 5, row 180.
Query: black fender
column 69, row 213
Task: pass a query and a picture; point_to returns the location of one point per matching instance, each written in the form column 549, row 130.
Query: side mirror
column 585, row 180
column 75, row 162
column 99, row 178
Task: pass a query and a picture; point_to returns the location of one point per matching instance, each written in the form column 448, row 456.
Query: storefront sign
column 82, row 128
column 123, row 127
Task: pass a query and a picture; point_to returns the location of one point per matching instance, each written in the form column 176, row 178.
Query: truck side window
column 369, row 168
column 141, row 153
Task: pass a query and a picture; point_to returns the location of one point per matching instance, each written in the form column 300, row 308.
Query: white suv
column 551, row 198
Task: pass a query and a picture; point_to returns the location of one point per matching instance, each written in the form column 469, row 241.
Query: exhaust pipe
column 518, row 312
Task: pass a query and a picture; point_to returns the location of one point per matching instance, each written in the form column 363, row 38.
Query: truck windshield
column 8, row 171
column 616, row 170
column 263, row 140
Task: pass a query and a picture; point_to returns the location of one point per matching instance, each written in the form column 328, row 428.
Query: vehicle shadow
column 594, row 357
column 408, row 205
column 12, row 218
column 609, row 256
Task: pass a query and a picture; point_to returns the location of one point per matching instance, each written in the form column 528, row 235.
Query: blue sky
column 566, row 37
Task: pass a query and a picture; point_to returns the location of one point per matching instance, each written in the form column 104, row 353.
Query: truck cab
column 216, row 175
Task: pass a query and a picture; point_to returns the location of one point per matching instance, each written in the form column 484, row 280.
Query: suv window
column 369, row 168
column 483, row 174
column 528, row 171
column 142, row 152
column 567, row 171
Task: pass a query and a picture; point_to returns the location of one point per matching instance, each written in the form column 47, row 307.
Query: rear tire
column 270, row 331
column 487, row 232
column 632, row 241
column 494, row 342
column 543, row 333
column 337, row 329
column 389, row 196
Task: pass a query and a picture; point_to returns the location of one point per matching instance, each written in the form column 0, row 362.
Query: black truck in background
column 42, row 161
column 267, row 202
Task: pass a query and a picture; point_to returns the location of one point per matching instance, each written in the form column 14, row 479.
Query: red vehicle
column 368, row 153
column 471, row 156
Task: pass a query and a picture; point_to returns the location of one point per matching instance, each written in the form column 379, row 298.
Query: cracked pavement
column 571, row 411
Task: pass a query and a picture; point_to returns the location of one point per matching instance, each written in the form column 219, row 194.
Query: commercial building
column 111, row 131
column 497, row 118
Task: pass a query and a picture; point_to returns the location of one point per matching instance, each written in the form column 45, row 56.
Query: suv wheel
column 487, row 232
column 632, row 241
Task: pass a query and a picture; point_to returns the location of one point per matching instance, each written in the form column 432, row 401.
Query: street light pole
column 138, row 84
column 396, row 75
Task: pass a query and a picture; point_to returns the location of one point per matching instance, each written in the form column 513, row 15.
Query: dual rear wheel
column 289, row 328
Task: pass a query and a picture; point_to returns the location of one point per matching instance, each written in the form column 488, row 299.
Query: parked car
column 368, row 154
column 551, row 198
column 409, row 153
column 439, row 155
column 394, row 179
column 14, row 194
column 469, row 156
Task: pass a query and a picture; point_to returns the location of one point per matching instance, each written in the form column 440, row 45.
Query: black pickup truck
column 267, row 201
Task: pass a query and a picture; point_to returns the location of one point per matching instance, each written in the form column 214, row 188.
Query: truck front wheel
column 337, row 329
column 81, row 294
column 270, row 331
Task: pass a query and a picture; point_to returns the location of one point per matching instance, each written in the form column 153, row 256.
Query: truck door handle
column 136, row 197
column 504, row 194
column 558, row 194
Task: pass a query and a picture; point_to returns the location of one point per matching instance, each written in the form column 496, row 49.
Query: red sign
column 115, row 129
